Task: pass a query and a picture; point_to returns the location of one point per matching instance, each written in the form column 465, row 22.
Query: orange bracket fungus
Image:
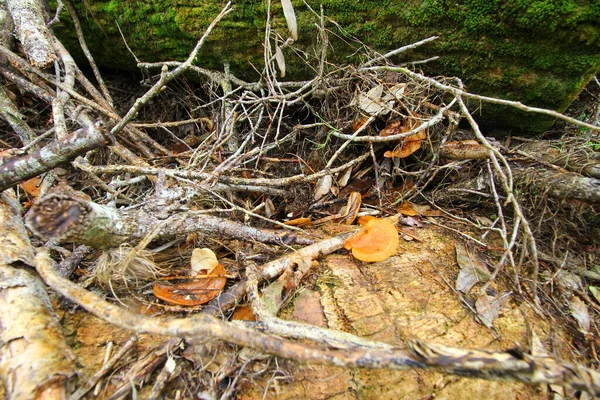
column 377, row 240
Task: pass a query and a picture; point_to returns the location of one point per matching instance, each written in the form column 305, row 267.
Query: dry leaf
column 406, row 208
column 488, row 307
column 372, row 103
column 344, row 177
column 394, row 128
column 352, row 207
column 359, row 123
column 280, row 59
column 299, row 222
column 269, row 208
column 580, row 312
column 323, row 186
column 192, row 293
column 203, row 259
column 243, row 313
column 32, row 187
column 290, row 18
column 472, row 269
column 376, row 241
column 307, row 308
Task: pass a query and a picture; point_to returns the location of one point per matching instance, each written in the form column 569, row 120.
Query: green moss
column 540, row 51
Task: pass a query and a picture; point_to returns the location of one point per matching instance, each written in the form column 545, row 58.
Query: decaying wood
column 565, row 155
column 14, row 170
column 472, row 363
column 539, row 180
column 67, row 217
column 560, row 185
column 35, row 360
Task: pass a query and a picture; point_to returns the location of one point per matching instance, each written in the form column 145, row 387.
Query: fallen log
column 35, row 361
column 69, row 216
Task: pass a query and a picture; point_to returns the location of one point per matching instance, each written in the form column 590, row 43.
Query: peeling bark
column 35, row 360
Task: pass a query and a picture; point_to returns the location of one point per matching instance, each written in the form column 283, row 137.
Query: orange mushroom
column 377, row 240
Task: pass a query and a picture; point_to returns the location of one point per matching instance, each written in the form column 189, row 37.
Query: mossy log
column 541, row 53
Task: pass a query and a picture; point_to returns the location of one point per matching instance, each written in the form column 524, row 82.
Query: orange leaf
column 31, row 186
column 192, row 293
column 407, row 148
column 243, row 313
column 359, row 123
column 376, row 241
column 406, row 208
column 394, row 128
column 363, row 220
column 299, row 222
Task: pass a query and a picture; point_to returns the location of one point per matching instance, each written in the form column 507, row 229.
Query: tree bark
column 71, row 217
column 35, row 361
column 15, row 170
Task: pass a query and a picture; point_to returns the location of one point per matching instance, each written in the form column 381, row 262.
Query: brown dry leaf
column 359, row 123
column 192, row 293
column 323, row 186
column 376, row 241
column 406, row 208
column 472, row 269
column 203, row 260
column 31, row 186
column 352, row 207
column 580, row 312
column 394, row 128
column 243, row 313
column 488, row 307
column 307, row 308
column 299, row 222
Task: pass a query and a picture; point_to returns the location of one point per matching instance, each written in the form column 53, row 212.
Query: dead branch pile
column 227, row 159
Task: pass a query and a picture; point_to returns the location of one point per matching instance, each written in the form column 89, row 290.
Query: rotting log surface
column 559, row 185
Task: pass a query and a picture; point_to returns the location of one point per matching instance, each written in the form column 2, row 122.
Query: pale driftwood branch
column 400, row 50
column 35, row 361
column 70, row 217
column 31, row 30
column 233, row 180
column 18, row 169
column 271, row 270
column 471, row 363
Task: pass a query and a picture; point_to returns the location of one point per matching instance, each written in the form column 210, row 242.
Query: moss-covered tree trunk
column 539, row 52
